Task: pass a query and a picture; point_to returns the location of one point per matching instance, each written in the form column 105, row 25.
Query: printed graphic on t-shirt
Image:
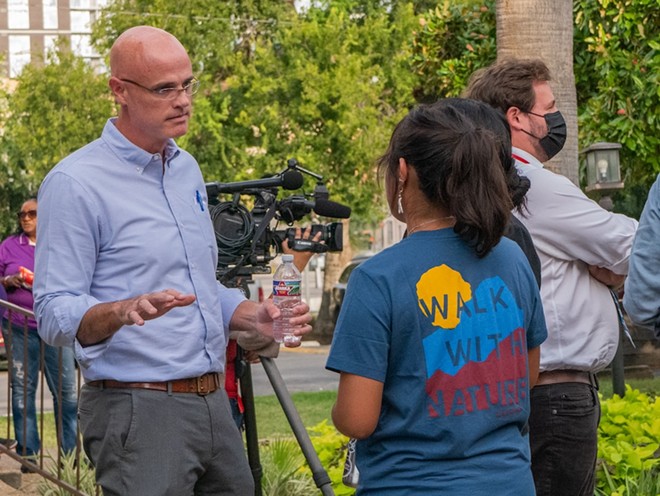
column 476, row 359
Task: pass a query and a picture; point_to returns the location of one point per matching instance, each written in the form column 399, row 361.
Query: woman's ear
column 403, row 171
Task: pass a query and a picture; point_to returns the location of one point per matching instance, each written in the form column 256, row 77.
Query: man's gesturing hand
column 103, row 320
column 135, row 311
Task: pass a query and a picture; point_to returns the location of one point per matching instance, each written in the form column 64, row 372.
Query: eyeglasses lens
column 28, row 214
column 171, row 93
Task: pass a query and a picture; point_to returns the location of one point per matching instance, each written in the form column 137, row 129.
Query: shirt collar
column 23, row 239
column 525, row 158
column 133, row 154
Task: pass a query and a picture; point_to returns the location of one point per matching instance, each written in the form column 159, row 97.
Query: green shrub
column 83, row 479
column 629, row 445
column 330, row 445
column 284, row 469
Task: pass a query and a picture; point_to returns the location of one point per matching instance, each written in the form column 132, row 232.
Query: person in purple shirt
column 20, row 334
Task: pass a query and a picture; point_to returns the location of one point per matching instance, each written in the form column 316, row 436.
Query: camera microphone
column 289, row 179
column 328, row 208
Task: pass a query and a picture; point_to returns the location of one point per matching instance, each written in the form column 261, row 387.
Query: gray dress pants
column 144, row 442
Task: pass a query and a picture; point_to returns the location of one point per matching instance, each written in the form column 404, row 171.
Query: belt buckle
column 202, row 385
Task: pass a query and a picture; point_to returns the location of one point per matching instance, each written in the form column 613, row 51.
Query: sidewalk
column 15, row 483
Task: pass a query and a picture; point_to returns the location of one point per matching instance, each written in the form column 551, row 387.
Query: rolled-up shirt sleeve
column 230, row 298
column 642, row 288
column 65, row 259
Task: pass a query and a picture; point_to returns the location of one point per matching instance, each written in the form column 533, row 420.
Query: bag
column 351, row 474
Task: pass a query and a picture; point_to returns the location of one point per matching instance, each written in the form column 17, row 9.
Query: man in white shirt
column 584, row 251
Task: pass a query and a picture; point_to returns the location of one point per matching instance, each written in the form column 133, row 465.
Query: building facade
column 29, row 28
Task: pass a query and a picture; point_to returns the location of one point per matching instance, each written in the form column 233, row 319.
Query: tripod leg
column 250, row 419
column 320, row 475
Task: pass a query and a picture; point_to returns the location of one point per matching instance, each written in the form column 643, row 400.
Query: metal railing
column 50, row 461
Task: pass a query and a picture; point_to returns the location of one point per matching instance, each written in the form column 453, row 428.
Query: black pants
column 563, row 437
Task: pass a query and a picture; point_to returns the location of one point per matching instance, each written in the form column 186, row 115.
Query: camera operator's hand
column 301, row 258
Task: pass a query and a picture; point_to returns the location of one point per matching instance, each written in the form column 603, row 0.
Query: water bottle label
column 286, row 288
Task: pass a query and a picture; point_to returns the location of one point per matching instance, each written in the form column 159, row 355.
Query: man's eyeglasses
column 28, row 214
column 169, row 92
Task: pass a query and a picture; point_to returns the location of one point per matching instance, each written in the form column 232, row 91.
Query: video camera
column 246, row 242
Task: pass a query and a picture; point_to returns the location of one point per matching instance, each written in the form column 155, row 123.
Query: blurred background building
column 29, row 28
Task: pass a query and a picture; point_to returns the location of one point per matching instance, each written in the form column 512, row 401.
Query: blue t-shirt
column 448, row 334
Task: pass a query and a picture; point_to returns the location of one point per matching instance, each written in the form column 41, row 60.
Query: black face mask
column 554, row 140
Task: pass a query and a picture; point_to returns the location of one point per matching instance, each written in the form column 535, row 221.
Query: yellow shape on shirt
column 441, row 294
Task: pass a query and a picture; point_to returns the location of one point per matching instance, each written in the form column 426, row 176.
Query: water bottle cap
column 287, row 257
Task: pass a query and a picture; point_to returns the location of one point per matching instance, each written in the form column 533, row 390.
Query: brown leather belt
column 202, row 385
column 560, row 376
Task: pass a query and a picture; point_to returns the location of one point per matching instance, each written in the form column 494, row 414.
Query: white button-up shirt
column 571, row 232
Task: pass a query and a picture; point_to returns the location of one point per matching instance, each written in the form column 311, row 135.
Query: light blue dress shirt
column 641, row 297
column 116, row 221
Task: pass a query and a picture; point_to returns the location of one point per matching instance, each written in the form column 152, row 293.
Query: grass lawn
column 315, row 407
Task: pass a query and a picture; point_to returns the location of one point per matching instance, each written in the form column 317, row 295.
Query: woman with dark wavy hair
column 517, row 186
column 437, row 342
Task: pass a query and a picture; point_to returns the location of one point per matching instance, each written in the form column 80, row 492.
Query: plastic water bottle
column 286, row 295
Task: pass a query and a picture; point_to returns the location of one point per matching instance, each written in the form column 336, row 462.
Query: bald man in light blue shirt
column 125, row 271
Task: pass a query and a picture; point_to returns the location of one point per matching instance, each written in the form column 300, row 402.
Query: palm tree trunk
column 544, row 29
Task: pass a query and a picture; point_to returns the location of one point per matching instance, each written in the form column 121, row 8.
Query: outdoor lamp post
column 604, row 176
column 603, row 170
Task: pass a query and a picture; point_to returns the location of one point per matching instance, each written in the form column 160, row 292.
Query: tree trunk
column 334, row 263
column 544, row 29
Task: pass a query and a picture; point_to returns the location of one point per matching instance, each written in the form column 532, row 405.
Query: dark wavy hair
column 458, row 164
column 490, row 118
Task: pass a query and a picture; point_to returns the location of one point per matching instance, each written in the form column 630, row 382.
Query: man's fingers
column 134, row 318
column 145, row 306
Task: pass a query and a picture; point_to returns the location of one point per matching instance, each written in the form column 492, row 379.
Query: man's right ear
column 513, row 115
column 118, row 88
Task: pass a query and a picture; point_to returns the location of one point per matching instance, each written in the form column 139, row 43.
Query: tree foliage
column 617, row 67
column 617, row 57
column 327, row 85
column 454, row 40
column 56, row 108
column 324, row 87
column 329, row 88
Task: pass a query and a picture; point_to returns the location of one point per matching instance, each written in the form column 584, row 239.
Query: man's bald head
column 143, row 61
column 140, row 47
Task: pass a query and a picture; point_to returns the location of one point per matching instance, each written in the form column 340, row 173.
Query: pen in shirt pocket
column 200, row 200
